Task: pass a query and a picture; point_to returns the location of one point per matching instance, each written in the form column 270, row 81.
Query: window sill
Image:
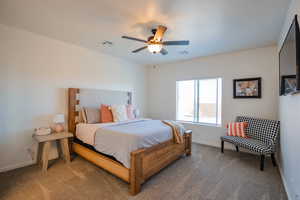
column 200, row 124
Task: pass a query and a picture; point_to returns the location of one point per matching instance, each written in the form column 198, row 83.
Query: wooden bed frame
column 144, row 162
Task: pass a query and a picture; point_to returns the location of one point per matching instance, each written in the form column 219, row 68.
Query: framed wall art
column 247, row 88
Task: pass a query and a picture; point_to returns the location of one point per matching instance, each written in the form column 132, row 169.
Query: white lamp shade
column 59, row 118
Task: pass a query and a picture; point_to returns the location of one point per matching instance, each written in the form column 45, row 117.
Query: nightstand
column 45, row 141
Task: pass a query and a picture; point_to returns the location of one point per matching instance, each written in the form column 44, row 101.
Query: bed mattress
column 119, row 139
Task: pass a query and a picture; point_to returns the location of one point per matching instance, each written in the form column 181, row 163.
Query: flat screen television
column 289, row 61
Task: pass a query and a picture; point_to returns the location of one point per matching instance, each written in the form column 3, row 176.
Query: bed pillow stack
column 92, row 115
column 82, row 116
column 119, row 113
column 89, row 115
column 130, row 112
column 106, row 114
column 116, row 113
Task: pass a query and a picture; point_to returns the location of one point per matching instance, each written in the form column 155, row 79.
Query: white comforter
column 119, row 139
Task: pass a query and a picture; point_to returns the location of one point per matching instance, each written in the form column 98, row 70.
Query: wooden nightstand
column 46, row 140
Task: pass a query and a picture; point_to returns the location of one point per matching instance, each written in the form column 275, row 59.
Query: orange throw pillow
column 105, row 114
column 237, row 129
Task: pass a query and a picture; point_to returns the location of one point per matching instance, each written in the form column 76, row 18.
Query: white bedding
column 119, row 139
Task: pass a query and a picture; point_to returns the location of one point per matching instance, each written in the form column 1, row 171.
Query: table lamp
column 59, row 121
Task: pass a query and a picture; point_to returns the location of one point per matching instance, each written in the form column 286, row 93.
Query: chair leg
column 262, row 162
column 237, row 148
column 222, row 146
column 273, row 159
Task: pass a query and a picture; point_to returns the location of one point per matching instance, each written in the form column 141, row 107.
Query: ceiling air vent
column 107, row 43
column 184, row 52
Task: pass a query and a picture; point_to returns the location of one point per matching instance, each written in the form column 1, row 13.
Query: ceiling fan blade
column 135, row 39
column 180, row 42
column 163, row 51
column 139, row 49
column 159, row 33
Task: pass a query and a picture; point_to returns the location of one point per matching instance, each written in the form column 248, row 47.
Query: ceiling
column 212, row 26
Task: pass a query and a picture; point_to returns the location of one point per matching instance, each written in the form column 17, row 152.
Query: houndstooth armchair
column 263, row 136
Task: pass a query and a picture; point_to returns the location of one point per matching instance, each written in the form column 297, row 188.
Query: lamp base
column 58, row 128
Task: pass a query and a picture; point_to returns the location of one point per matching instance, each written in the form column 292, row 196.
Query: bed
column 144, row 146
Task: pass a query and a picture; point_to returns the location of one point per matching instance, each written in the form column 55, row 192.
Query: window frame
column 196, row 102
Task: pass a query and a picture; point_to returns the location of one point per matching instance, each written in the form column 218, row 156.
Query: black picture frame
column 288, row 84
column 236, row 94
column 282, row 77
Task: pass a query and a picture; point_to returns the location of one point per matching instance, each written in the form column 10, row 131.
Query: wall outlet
column 297, row 197
column 31, row 152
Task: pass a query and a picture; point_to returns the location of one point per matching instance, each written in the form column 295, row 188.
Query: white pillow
column 119, row 113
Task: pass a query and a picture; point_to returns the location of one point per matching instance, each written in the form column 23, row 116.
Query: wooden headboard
column 79, row 98
column 73, row 112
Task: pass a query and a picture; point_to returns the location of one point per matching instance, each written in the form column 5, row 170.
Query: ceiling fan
column 155, row 43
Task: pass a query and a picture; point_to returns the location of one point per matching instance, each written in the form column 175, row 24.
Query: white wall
column 260, row 62
column 34, row 74
column 289, row 115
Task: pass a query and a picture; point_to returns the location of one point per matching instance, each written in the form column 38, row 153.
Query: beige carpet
column 207, row 174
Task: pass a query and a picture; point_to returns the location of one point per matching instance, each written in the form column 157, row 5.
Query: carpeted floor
column 207, row 175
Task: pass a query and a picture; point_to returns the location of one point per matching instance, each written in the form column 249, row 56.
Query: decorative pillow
column 130, row 109
column 82, row 116
column 92, row 115
column 119, row 113
column 136, row 112
column 105, row 114
column 237, row 129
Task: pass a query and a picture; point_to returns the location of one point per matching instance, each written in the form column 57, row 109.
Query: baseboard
column 18, row 165
column 284, row 181
column 227, row 146
column 207, row 143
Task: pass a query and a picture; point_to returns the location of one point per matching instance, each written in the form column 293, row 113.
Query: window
column 199, row 101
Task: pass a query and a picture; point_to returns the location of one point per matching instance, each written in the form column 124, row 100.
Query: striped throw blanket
column 177, row 129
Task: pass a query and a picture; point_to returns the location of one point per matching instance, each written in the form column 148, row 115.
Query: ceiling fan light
column 154, row 48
